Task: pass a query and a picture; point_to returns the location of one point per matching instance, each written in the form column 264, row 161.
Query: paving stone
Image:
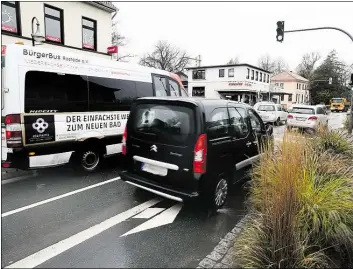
column 228, row 259
column 226, row 243
column 215, row 256
column 236, row 230
column 220, row 265
column 230, row 237
column 230, row 251
column 207, row 263
column 221, row 249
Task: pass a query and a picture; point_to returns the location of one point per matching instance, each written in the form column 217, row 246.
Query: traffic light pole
column 350, row 128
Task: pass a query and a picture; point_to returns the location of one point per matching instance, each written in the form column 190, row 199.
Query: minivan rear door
column 161, row 138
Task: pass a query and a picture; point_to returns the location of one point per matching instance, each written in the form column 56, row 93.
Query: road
column 61, row 219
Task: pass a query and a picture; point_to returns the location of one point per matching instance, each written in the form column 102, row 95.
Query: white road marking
column 64, row 245
column 149, row 213
column 166, row 217
column 57, row 197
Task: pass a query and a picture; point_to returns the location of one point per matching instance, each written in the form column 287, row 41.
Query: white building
column 83, row 27
column 239, row 82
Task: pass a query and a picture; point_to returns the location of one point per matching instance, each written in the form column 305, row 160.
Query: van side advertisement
column 73, row 126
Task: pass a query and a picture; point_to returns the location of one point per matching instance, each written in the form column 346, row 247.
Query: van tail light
column 13, row 130
column 313, row 118
column 124, row 148
column 200, row 153
column 290, row 116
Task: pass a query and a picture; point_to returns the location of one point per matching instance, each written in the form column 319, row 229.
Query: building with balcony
column 239, row 82
column 294, row 86
column 82, row 27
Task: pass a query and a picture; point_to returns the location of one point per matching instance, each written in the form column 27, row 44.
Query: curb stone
column 222, row 254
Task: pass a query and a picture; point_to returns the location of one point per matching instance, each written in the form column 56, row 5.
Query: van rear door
column 161, row 136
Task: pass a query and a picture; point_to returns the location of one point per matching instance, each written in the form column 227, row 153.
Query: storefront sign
column 112, row 49
column 240, row 83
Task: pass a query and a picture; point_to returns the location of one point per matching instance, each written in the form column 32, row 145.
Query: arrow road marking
column 58, row 248
column 149, row 213
column 166, row 217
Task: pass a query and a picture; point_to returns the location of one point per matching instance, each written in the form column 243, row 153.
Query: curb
column 11, row 175
column 222, row 255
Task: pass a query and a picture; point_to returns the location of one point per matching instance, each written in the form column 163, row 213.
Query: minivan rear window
column 266, row 108
column 167, row 124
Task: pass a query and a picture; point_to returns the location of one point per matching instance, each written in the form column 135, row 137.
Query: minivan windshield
column 168, row 124
column 336, row 100
column 303, row 110
column 266, row 108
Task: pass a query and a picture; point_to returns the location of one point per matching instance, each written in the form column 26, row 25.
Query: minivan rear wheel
column 219, row 194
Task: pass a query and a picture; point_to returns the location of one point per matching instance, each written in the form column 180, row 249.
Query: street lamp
column 37, row 37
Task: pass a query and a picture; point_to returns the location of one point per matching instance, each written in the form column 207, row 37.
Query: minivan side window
column 160, row 86
column 255, row 120
column 174, row 88
column 237, row 123
column 183, row 93
column 143, row 89
column 218, row 124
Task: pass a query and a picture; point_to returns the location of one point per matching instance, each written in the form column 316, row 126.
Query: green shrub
column 332, row 140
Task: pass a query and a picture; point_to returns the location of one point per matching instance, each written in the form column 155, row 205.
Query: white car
column 306, row 117
column 271, row 112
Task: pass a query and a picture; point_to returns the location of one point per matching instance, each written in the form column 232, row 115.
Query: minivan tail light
column 313, row 118
column 200, row 153
column 290, row 117
column 13, row 130
column 123, row 147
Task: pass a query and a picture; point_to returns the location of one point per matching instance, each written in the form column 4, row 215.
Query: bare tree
column 280, row 66
column 234, row 60
column 265, row 62
column 119, row 40
column 307, row 66
column 166, row 57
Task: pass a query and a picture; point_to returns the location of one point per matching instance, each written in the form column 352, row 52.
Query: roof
column 288, row 76
column 228, row 65
column 106, row 5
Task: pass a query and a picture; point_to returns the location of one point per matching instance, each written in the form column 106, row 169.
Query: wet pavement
column 60, row 219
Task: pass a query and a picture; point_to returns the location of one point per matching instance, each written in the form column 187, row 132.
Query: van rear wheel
column 88, row 160
column 219, row 194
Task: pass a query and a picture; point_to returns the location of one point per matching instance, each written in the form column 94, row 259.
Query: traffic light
column 280, row 31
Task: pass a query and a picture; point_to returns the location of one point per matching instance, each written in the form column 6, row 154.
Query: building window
column 281, row 85
column 221, row 73
column 10, row 17
column 282, row 97
column 198, row 91
column 268, row 78
column 297, row 86
column 198, row 74
column 290, row 97
column 89, row 34
column 248, row 75
column 260, row 76
column 53, row 18
column 257, row 76
column 231, row 72
column 252, row 74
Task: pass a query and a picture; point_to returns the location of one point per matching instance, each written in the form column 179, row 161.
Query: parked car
column 271, row 112
column 187, row 148
column 324, row 107
column 307, row 117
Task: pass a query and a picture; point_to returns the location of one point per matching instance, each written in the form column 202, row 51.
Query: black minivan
column 182, row 148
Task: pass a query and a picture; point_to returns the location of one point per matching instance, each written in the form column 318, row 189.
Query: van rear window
column 168, row 124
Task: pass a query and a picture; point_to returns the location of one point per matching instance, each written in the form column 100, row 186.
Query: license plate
column 153, row 169
column 301, row 119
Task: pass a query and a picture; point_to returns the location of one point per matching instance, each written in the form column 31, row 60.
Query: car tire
column 219, row 194
column 88, row 160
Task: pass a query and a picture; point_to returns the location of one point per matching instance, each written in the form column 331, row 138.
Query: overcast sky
column 220, row 31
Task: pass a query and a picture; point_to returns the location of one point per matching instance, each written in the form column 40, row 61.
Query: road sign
column 112, row 49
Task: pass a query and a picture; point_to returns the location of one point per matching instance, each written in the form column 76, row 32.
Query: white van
column 60, row 107
column 271, row 112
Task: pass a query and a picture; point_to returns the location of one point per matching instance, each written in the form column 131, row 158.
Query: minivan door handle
column 248, row 144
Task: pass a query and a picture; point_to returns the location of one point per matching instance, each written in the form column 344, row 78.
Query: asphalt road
column 61, row 219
